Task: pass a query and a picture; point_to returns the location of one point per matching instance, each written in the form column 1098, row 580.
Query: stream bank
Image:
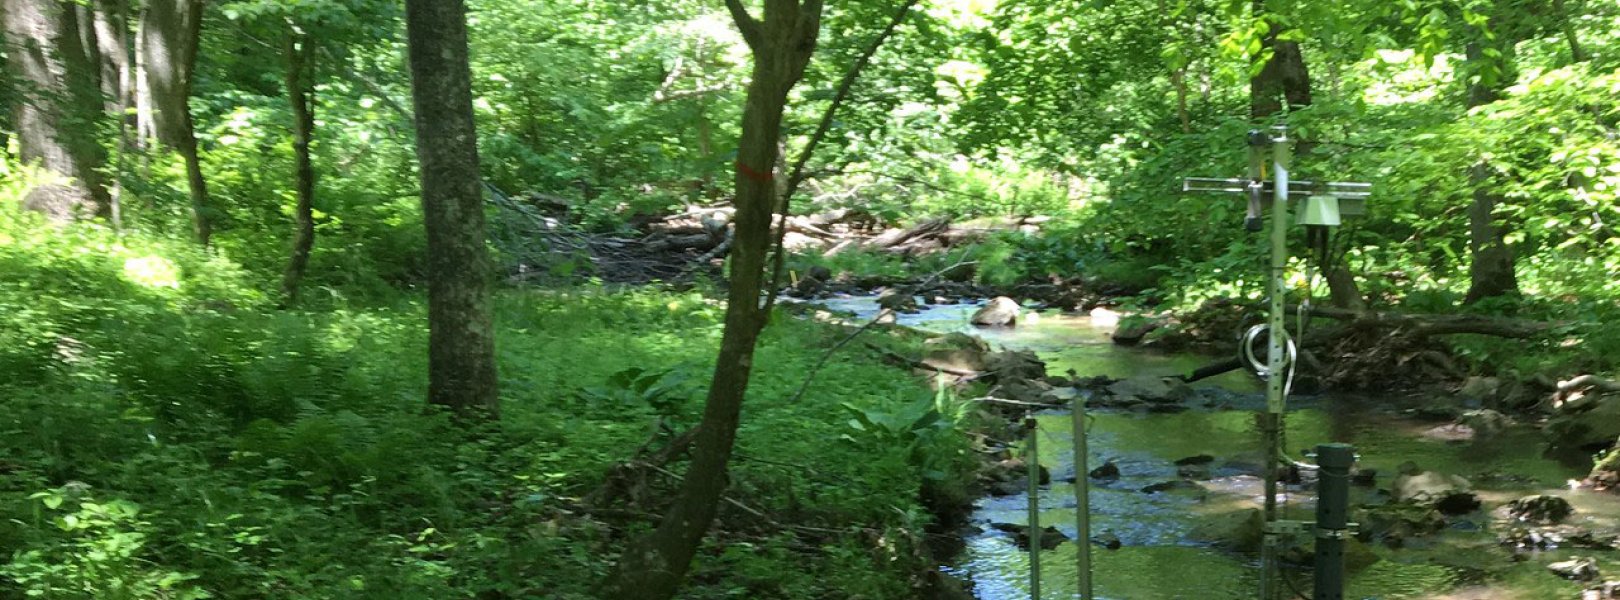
column 1178, row 541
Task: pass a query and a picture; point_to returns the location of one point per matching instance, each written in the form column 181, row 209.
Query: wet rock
column 1007, row 366
column 1174, row 485
column 1132, row 331
column 1050, row 536
column 1449, row 494
column 1438, row 409
column 1033, row 391
column 1457, row 502
column 1395, row 523
column 1557, row 536
column 1011, row 476
column 1240, row 531
column 1608, row 590
column 1000, row 312
column 1541, row 508
column 1606, row 473
column 1107, row 472
column 898, row 300
column 1591, row 424
column 1580, row 568
column 1485, row 422
column 1483, row 390
column 956, row 351
column 1200, row 459
column 1364, row 477
column 1107, row 540
column 1150, row 389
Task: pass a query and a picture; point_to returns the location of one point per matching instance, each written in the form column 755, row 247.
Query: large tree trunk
column 1286, row 78
column 1283, row 78
column 300, row 55
column 1491, row 271
column 58, row 108
column 653, row 566
column 170, row 33
column 461, row 340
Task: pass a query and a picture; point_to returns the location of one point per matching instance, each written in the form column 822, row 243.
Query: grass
column 167, row 434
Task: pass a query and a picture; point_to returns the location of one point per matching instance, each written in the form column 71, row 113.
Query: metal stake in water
column 1032, row 459
column 1082, row 501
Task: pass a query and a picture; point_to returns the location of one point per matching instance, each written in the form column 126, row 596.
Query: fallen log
column 1426, row 325
column 895, row 237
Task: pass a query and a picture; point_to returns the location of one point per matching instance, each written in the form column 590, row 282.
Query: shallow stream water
column 1161, row 556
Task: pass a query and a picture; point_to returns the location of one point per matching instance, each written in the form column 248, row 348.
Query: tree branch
column 747, row 24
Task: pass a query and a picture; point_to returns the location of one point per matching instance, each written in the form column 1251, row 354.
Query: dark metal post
column 1332, row 518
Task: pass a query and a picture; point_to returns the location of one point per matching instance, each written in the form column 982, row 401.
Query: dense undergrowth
column 167, row 433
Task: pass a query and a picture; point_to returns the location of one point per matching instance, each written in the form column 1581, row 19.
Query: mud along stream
column 1171, row 541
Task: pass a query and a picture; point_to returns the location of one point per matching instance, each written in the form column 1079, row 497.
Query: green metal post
column 1332, row 518
column 1082, row 500
column 1032, row 459
column 1276, row 357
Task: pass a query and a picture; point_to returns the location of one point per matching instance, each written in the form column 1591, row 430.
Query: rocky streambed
column 1451, row 507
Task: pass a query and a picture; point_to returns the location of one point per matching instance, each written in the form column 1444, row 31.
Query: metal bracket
column 1281, row 527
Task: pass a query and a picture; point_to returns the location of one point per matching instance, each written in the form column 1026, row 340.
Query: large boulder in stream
column 1587, row 425
column 956, row 352
column 1000, row 312
column 1003, row 367
column 1448, row 494
column 1050, row 536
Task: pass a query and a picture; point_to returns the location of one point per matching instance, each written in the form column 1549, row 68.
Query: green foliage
column 166, row 433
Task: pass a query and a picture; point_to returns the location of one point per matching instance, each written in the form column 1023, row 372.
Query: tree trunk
column 170, row 32
column 1283, row 78
column 461, row 340
column 58, row 107
column 1178, row 78
column 1491, row 271
column 112, row 39
column 652, row 567
column 1577, row 53
column 300, row 94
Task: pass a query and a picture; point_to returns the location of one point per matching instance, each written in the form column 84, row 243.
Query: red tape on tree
column 751, row 173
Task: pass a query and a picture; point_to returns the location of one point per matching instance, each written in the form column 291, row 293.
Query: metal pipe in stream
column 1032, row 460
column 1082, row 501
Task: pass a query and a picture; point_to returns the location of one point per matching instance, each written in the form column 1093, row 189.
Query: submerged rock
column 1240, row 531
column 898, row 300
column 1107, row 472
column 1000, row 312
column 1149, row 389
column 1050, row 536
column 1540, row 508
column 1173, row 485
column 1580, row 568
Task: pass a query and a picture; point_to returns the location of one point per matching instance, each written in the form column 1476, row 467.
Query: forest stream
column 1165, row 548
